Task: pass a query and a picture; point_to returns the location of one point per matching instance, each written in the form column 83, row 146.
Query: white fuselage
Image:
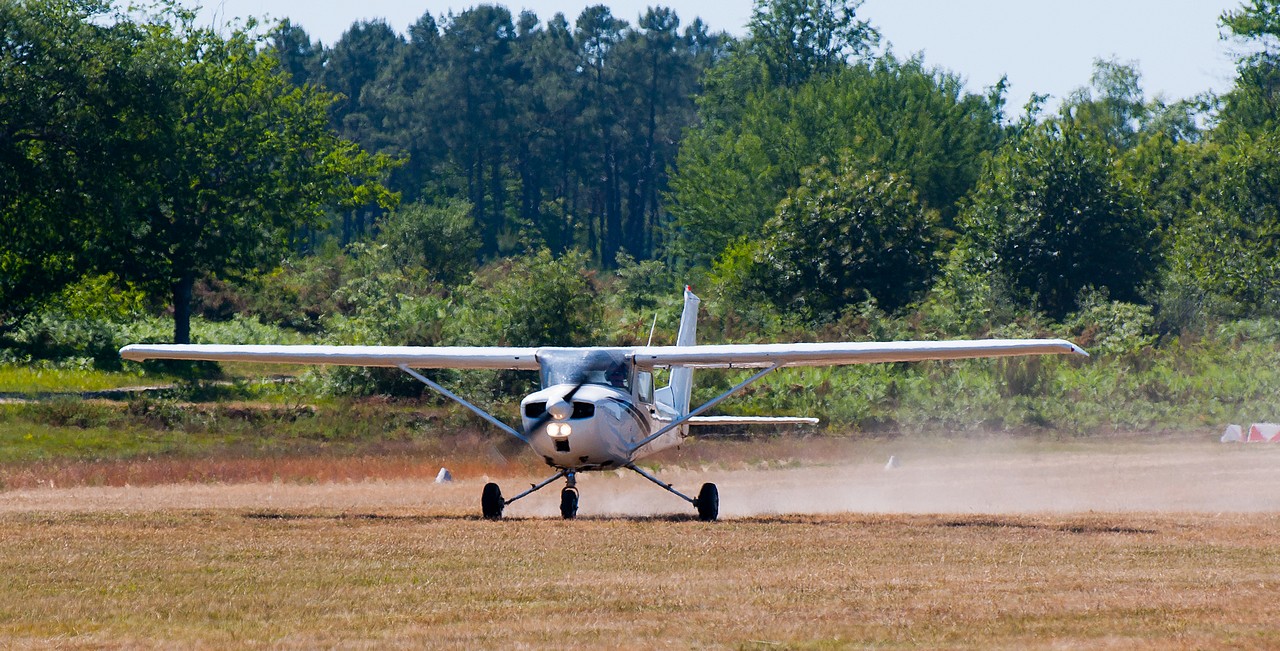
column 604, row 425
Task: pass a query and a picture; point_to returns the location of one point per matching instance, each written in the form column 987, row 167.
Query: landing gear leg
column 707, row 502
column 569, row 498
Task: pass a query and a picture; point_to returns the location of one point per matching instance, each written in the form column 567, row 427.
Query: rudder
column 682, row 376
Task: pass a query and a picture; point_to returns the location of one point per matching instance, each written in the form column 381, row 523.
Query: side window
column 644, row 386
column 616, row 376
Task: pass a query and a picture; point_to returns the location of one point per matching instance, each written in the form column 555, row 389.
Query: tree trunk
column 182, row 308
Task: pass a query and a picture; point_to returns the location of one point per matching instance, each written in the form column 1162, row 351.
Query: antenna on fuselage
column 653, row 328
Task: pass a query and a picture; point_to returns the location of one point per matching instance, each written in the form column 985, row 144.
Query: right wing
column 465, row 357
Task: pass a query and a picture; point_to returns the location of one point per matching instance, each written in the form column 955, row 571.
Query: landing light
column 559, row 430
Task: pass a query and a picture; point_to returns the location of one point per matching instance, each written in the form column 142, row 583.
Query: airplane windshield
column 607, row 367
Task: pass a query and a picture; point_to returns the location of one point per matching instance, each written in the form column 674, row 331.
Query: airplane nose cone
column 560, row 409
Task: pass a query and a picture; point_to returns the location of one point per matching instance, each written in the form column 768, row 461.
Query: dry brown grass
column 1134, row 556
column 302, row 579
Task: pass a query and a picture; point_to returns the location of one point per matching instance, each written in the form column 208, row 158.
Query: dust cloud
column 990, row 476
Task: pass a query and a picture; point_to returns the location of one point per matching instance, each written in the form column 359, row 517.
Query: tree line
column 800, row 171
column 558, row 135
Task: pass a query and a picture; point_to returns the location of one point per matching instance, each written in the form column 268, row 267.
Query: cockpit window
column 600, row 366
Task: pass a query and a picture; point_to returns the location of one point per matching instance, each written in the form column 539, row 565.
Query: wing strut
column 705, row 406
column 454, row 397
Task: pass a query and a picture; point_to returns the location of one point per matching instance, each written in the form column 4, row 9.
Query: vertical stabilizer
column 682, row 376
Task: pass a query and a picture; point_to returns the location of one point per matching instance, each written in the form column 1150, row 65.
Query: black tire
column 491, row 502
column 569, row 503
column 708, row 503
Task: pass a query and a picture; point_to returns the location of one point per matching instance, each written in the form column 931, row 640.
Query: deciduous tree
column 843, row 237
column 239, row 160
column 1053, row 215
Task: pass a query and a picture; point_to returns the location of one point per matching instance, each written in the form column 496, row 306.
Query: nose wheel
column 569, row 503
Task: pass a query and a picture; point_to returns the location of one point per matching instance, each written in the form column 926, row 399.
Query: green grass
column 25, row 444
column 77, row 430
column 34, row 380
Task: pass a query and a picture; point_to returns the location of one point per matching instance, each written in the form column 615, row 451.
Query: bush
column 840, row 239
column 1106, row 327
column 1052, row 215
column 440, row 239
column 300, row 294
column 535, row 300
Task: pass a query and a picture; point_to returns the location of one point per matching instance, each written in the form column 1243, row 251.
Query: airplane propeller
column 547, row 413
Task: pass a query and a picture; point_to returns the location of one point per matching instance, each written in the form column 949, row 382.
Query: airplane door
column 644, row 387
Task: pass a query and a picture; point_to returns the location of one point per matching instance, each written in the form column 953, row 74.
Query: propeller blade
column 546, row 413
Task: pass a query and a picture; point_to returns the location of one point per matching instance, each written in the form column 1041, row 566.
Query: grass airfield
column 988, row 544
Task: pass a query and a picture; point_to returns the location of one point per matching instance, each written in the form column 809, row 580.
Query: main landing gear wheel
column 569, row 503
column 491, row 501
column 708, row 503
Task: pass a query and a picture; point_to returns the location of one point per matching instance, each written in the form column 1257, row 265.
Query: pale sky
column 1044, row 46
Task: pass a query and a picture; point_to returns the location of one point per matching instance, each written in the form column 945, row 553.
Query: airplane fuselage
column 598, row 428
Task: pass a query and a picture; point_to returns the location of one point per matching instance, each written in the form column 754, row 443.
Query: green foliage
column 1253, row 105
column 69, row 341
column 243, row 160
column 640, row 285
column 440, row 239
column 85, row 325
column 557, row 134
column 350, row 69
column 380, row 311
column 191, row 153
column 301, row 59
column 724, row 189
column 796, row 40
column 145, row 161
column 382, row 303
column 1117, row 113
column 965, row 299
column 1053, row 215
column 1106, row 327
column 841, row 238
column 300, row 293
column 383, row 317
column 1228, row 246
column 1229, row 375
column 76, row 87
column 896, row 115
column 536, row 300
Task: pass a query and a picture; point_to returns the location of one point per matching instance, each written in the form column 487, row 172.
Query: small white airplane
column 598, row 409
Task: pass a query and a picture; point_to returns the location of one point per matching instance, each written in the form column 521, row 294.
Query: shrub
column 1106, row 327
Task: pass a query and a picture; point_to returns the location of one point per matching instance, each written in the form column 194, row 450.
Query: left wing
column 492, row 357
column 829, row 354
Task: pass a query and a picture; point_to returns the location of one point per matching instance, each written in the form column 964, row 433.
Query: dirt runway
column 932, row 476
